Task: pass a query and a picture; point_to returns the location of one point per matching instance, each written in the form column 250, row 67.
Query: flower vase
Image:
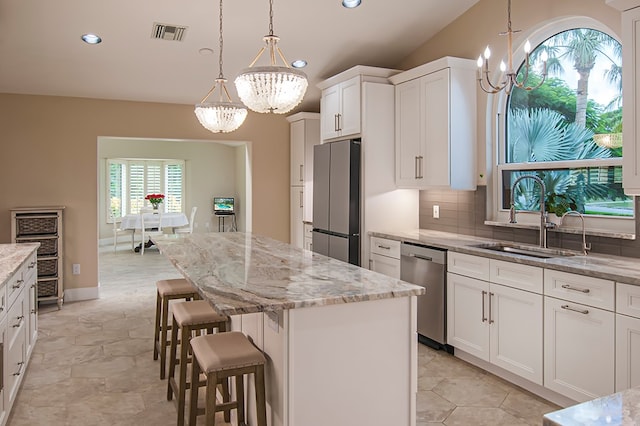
column 155, row 206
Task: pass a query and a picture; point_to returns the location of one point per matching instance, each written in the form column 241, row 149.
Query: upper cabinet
column 436, row 125
column 341, row 101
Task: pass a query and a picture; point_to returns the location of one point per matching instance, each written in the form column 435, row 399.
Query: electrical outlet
column 76, row 269
column 436, row 212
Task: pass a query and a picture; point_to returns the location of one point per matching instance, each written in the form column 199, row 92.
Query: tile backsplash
column 464, row 212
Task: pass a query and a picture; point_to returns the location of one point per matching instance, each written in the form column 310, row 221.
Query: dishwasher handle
column 417, row 256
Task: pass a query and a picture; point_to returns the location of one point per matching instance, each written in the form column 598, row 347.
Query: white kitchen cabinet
column 579, row 349
column 304, row 134
column 467, row 324
column 385, row 256
column 4, row 408
column 627, row 336
column 436, row 125
column 296, row 216
column 308, row 236
column 340, row 109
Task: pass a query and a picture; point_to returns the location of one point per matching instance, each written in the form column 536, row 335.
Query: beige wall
column 49, row 157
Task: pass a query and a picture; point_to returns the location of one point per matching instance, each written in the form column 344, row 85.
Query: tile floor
column 93, row 364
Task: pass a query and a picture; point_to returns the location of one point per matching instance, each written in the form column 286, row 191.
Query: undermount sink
column 525, row 250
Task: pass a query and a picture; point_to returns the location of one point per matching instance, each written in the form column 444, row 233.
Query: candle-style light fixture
column 272, row 88
column 511, row 76
column 223, row 116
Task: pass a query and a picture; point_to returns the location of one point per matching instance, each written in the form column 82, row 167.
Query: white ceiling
column 41, row 51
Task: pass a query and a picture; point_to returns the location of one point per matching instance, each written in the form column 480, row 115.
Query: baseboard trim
column 78, row 294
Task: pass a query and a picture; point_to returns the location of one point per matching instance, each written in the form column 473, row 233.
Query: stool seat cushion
column 175, row 286
column 196, row 312
column 225, row 351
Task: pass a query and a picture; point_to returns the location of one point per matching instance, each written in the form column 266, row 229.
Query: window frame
column 496, row 132
column 164, row 177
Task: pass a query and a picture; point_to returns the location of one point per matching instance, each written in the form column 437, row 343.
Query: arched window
column 568, row 132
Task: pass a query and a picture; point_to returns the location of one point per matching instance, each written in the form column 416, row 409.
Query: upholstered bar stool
column 173, row 289
column 189, row 318
column 221, row 356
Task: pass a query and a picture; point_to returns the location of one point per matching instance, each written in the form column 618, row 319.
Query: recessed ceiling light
column 351, row 3
column 299, row 63
column 206, row 51
column 91, row 38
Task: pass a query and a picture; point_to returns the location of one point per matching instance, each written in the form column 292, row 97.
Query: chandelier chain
column 270, row 17
column 220, row 76
column 509, row 15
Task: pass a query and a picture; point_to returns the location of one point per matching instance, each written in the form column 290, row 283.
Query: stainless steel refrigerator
column 336, row 200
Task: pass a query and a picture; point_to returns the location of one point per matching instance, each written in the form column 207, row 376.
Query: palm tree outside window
column 568, row 132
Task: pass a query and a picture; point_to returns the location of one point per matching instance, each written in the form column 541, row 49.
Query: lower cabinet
column 579, row 349
column 627, row 352
column 496, row 323
column 296, row 232
column 385, row 257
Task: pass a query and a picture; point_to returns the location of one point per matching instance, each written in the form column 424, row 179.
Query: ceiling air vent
column 168, row 32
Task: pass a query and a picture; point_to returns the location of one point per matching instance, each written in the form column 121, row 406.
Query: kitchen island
column 340, row 340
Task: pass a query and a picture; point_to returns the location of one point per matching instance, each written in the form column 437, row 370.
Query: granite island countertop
column 12, row 257
column 616, row 268
column 243, row 273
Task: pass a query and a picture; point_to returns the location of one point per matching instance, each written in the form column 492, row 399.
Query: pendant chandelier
column 222, row 116
column 272, row 88
column 511, row 76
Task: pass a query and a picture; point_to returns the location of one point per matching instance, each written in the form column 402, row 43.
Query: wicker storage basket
column 48, row 246
column 48, row 288
column 32, row 225
column 47, row 267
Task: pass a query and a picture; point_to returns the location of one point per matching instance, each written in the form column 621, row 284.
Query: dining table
column 168, row 220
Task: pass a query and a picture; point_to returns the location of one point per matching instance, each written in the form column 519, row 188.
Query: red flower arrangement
column 155, row 199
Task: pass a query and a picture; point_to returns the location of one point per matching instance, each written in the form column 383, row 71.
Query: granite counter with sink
column 616, row 268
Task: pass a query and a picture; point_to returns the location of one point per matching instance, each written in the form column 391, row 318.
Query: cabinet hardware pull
column 581, row 290
column 415, row 167
column 335, row 122
column 484, row 319
column 490, row 312
column 31, row 265
column 20, row 365
column 301, row 197
column 384, row 247
column 19, row 283
column 33, row 311
column 19, row 318
column 339, row 122
column 1, row 308
column 301, row 173
column 580, row 311
column 420, row 158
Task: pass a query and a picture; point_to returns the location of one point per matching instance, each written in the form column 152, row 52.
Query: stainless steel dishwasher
column 427, row 267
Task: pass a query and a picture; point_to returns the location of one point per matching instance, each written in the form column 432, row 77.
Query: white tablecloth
column 169, row 220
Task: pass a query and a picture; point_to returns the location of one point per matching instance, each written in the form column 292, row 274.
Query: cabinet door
column 312, row 138
column 32, row 306
column 407, row 133
column 515, row 318
column 4, row 350
column 435, row 161
column 296, row 225
column 467, row 315
column 385, row 265
column 349, row 119
column 627, row 352
column 297, row 131
column 329, row 111
column 578, row 349
column 631, row 111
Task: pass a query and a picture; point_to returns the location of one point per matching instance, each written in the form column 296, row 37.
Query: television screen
column 223, row 204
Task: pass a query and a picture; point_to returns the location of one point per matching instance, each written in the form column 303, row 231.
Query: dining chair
column 151, row 226
column 188, row 229
column 117, row 230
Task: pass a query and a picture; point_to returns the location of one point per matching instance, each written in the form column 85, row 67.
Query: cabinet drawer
column 590, row 291
column 30, row 269
column 385, row 265
column 524, row 277
column 16, row 319
column 15, row 364
column 15, row 286
column 628, row 299
column 468, row 265
column 385, row 247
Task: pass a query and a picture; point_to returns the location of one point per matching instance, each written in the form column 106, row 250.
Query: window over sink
column 568, row 132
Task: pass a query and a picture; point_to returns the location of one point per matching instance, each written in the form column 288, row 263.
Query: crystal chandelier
column 273, row 88
column 511, row 76
column 223, row 116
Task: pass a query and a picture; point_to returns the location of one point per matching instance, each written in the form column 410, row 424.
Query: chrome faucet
column 543, row 215
column 585, row 247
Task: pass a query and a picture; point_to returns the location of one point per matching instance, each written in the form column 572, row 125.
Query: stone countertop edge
column 241, row 273
column 615, row 268
column 13, row 257
column 621, row 408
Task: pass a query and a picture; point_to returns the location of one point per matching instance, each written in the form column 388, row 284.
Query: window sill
column 566, row 230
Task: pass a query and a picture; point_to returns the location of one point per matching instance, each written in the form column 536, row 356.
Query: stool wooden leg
column 193, row 403
column 182, row 383
column 240, row 398
column 172, row 359
column 226, row 397
column 156, row 336
column 163, row 338
column 210, row 411
column 260, row 396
